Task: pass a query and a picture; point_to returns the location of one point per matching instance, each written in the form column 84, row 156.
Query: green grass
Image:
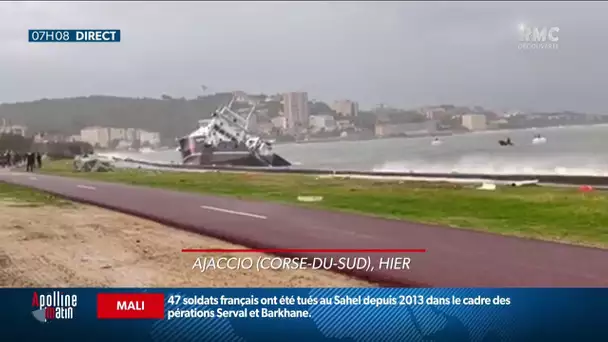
column 19, row 196
column 559, row 214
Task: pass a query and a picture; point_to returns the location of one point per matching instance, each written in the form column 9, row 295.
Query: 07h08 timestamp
column 49, row 36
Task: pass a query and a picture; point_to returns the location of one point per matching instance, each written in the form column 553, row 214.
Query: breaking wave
column 574, row 166
column 154, row 156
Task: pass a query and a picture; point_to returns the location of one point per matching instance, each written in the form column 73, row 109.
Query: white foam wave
column 112, row 155
column 134, row 156
column 481, row 165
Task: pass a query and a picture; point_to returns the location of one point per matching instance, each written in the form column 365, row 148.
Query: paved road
column 454, row 257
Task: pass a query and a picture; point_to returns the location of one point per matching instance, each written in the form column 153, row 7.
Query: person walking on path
column 31, row 160
column 6, row 159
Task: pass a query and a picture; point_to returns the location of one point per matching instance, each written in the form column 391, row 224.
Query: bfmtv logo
column 531, row 37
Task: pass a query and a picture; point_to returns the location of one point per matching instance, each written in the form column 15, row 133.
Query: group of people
column 32, row 159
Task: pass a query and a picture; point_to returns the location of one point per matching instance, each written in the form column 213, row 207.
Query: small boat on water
column 539, row 139
column 436, row 142
column 506, row 142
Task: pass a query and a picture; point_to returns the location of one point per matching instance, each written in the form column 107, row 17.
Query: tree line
column 171, row 117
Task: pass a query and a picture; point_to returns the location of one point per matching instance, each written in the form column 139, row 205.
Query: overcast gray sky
column 399, row 53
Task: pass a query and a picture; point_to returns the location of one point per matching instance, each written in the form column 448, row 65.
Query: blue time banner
column 302, row 314
column 73, row 36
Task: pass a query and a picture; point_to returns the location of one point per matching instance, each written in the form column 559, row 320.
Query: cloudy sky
column 402, row 54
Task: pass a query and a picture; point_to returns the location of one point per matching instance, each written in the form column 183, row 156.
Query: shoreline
column 459, row 154
column 596, row 180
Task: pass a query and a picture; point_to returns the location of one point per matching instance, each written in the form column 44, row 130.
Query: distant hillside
column 171, row 117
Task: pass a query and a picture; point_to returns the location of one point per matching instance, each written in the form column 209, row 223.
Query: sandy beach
column 82, row 246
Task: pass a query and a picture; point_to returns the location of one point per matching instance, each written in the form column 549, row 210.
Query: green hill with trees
column 171, row 117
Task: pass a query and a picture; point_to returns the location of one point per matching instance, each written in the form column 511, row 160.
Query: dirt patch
column 49, row 246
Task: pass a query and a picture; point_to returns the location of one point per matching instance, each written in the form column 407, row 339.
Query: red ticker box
column 130, row 306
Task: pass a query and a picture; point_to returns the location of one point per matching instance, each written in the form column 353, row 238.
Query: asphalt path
column 453, row 257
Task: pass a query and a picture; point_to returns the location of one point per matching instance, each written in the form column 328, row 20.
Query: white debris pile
column 93, row 163
column 310, row 198
column 487, row 186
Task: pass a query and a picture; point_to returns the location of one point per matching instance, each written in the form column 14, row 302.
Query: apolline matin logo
column 538, row 38
column 53, row 306
column 74, row 36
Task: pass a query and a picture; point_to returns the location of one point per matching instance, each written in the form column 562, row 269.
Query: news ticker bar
column 74, row 36
column 280, row 304
column 305, row 314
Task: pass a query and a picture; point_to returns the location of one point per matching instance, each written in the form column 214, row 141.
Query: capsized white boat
column 225, row 139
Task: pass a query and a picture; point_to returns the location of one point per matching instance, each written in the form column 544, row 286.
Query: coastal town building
column 131, row 134
column 151, row 138
column 322, row 122
column 346, row 107
column 15, row 129
column 7, row 128
column 103, row 136
column 52, row 136
column 433, row 113
column 96, row 136
column 279, row 122
column 117, row 133
column 296, row 111
column 345, row 125
column 474, row 122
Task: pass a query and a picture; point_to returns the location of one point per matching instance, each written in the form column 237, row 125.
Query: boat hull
column 236, row 158
column 226, row 153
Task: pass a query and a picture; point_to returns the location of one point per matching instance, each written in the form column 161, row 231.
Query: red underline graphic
column 295, row 250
